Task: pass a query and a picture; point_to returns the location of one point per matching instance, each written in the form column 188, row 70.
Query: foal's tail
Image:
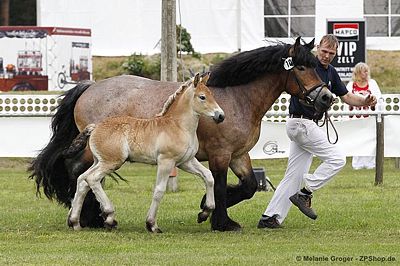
column 48, row 168
column 79, row 143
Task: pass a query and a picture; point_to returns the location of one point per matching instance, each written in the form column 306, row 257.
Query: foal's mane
column 245, row 67
column 173, row 96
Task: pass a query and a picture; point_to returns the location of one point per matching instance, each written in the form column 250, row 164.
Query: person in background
column 362, row 84
column 307, row 140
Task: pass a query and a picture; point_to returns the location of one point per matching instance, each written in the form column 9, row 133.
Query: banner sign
column 352, row 44
column 357, row 137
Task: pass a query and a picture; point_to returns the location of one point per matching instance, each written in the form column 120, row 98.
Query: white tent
column 122, row 27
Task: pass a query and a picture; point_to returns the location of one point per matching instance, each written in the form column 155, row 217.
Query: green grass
column 355, row 219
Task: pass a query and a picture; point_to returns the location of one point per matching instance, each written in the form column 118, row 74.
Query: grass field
column 356, row 219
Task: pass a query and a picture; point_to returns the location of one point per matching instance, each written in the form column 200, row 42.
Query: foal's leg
column 195, row 167
column 164, row 167
column 82, row 189
column 94, row 181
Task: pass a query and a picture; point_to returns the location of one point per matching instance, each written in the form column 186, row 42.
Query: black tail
column 48, row 168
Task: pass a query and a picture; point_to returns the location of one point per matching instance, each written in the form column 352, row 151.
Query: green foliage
column 183, row 40
column 134, row 64
column 218, row 58
column 356, row 218
column 183, row 43
column 144, row 66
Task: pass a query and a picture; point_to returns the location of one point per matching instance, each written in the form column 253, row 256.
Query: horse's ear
column 196, row 79
column 311, row 44
column 205, row 78
column 293, row 49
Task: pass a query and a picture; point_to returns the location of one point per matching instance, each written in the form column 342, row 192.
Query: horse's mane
column 245, row 67
column 173, row 96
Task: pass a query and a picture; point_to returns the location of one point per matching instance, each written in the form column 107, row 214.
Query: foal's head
column 203, row 99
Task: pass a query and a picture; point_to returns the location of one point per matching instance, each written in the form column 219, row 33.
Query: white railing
column 14, row 105
column 44, row 105
column 388, row 104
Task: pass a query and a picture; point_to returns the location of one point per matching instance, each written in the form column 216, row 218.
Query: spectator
column 363, row 84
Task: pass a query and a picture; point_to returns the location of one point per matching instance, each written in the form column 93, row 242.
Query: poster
column 44, row 58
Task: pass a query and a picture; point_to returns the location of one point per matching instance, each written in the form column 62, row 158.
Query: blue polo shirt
column 335, row 85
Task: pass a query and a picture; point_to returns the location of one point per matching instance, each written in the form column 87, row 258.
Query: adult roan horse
column 244, row 85
column 168, row 140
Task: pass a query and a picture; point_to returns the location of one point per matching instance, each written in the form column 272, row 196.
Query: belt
column 300, row 116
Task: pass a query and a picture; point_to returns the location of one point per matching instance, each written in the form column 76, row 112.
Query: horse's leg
column 248, row 184
column 195, row 167
column 77, row 202
column 94, row 181
column 91, row 212
column 164, row 167
column 219, row 219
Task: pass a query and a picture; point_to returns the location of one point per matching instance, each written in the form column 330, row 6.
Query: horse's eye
column 301, row 68
column 202, row 97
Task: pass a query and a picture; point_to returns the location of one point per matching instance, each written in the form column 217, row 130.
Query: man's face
column 325, row 54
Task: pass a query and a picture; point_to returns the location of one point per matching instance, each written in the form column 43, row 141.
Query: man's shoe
column 269, row 222
column 303, row 202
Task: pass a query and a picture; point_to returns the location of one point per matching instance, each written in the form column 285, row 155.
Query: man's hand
column 370, row 100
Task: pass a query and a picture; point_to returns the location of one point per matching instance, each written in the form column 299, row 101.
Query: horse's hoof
column 111, row 225
column 203, row 215
column 230, row 225
column 72, row 224
column 152, row 228
column 77, row 227
column 69, row 222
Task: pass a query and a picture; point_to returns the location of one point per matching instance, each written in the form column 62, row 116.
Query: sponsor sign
column 352, row 44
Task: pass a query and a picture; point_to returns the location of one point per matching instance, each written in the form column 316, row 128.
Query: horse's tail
column 79, row 143
column 48, row 168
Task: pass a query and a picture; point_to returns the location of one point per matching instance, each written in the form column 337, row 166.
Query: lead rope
column 327, row 120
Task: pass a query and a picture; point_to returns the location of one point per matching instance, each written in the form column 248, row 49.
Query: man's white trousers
column 307, row 139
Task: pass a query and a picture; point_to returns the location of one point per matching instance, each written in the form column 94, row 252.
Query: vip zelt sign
column 352, row 49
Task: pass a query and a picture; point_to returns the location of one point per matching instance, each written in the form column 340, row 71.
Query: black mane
column 245, row 67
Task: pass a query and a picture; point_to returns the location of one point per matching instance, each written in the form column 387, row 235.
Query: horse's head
column 303, row 81
column 203, row 99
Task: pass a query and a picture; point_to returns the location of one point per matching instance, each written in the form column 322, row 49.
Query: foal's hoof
column 203, row 215
column 73, row 224
column 110, row 226
column 152, row 228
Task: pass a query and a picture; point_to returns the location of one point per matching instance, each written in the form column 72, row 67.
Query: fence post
column 379, row 149
column 397, row 162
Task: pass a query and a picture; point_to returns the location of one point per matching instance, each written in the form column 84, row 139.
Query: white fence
column 25, row 127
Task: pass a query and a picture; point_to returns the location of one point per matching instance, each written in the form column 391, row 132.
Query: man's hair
column 330, row 40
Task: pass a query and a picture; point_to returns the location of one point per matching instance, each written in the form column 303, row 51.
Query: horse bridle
column 308, row 100
column 305, row 93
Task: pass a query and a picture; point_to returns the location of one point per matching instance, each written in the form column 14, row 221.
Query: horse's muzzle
column 324, row 100
column 219, row 117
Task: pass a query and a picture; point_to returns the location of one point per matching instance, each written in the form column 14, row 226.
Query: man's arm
column 358, row 100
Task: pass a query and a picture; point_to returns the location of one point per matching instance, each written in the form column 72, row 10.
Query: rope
column 326, row 121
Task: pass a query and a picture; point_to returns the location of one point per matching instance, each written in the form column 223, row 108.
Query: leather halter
column 310, row 101
column 304, row 91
